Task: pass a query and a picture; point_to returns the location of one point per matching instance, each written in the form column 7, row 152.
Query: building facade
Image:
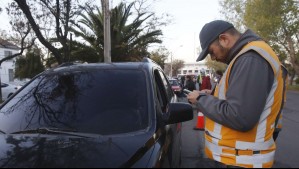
column 194, row 68
column 7, row 68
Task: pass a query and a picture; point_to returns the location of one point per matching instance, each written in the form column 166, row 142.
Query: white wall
column 193, row 68
column 5, row 66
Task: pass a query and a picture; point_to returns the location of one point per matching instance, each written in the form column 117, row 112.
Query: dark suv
column 94, row 115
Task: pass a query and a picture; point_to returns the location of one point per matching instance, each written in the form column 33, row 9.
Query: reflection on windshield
column 101, row 101
column 33, row 152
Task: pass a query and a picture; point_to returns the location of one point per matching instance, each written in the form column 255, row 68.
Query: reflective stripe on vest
column 279, row 123
column 279, row 117
column 221, row 139
column 245, row 157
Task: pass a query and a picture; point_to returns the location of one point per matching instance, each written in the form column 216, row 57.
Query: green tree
column 215, row 65
column 30, row 65
column 177, row 64
column 276, row 21
column 233, row 11
column 129, row 40
column 50, row 20
column 278, row 25
column 160, row 56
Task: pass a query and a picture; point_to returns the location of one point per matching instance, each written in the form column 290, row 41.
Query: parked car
column 19, row 82
column 176, row 86
column 8, row 90
column 94, row 115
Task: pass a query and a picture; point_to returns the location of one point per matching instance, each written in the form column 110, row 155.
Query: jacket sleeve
column 250, row 82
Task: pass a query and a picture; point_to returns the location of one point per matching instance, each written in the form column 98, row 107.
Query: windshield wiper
column 68, row 132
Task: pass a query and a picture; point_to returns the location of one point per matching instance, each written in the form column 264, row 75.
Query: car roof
column 145, row 64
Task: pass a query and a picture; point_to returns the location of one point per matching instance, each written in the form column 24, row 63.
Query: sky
column 181, row 37
column 189, row 16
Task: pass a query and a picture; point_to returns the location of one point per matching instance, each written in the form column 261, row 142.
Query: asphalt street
column 287, row 154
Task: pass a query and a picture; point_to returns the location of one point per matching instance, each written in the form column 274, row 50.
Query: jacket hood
column 39, row 151
column 245, row 38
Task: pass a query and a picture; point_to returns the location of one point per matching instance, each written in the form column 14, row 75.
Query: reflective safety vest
column 199, row 79
column 278, row 122
column 254, row 148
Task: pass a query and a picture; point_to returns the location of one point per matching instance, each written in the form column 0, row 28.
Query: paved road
column 287, row 154
column 192, row 144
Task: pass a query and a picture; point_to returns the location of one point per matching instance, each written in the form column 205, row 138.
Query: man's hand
column 193, row 96
column 207, row 91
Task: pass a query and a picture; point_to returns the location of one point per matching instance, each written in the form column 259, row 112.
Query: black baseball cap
column 209, row 33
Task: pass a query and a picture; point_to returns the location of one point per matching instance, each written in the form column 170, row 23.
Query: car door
column 170, row 139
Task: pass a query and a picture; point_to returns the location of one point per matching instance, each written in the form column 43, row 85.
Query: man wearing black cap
column 240, row 116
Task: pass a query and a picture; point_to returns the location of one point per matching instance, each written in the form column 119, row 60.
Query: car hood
column 35, row 150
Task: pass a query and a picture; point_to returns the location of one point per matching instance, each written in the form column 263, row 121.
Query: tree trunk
column 24, row 7
column 292, row 78
column 293, row 59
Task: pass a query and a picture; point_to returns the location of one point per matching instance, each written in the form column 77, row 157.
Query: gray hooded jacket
column 249, row 85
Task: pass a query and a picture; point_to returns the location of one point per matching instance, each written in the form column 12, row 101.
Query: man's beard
column 224, row 52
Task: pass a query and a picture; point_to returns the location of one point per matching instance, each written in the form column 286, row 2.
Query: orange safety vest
column 279, row 118
column 254, row 148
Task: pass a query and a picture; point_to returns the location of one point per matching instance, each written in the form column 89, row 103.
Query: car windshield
column 174, row 83
column 96, row 101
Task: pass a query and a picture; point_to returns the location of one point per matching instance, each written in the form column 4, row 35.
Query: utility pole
column 171, row 66
column 70, row 47
column 107, row 35
column 171, row 61
column 194, row 46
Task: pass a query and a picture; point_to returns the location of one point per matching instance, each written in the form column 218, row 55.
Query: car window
column 173, row 82
column 166, row 86
column 160, row 91
column 100, row 101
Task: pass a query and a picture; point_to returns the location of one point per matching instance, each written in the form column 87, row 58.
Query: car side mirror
column 179, row 112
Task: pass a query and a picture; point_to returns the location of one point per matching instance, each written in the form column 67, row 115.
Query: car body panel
column 176, row 86
column 62, row 128
column 41, row 151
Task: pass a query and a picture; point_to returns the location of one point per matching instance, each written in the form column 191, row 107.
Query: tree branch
column 23, row 47
column 67, row 18
column 284, row 45
column 24, row 7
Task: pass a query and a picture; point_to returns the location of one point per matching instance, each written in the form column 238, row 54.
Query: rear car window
column 174, row 83
column 98, row 101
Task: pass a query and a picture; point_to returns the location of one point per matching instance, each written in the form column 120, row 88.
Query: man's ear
column 224, row 40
